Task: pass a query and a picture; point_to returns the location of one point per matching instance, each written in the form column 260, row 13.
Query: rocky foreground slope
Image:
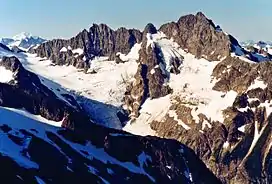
column 188, row 80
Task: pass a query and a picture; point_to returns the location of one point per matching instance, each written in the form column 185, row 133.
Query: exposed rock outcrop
column 151, row 77
column 199, row 35
column 100, row 40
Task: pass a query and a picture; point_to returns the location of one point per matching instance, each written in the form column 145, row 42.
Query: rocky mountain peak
column 150, row 28
column 199, row 36
column 201, row 15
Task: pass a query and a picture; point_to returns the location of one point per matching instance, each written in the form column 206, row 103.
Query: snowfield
column 100, row 91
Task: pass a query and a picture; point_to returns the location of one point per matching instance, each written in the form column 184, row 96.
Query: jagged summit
column 101, row 40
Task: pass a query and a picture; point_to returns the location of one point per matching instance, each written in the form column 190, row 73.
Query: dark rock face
column 108, row 42
column 150, row 28
column 151, row 77
column 132, row 159
column 227, row 151
column 4, row 47
column 27, row 92
column 199, row 35
column 52, row 50
column 100, row 40
column 241, row 75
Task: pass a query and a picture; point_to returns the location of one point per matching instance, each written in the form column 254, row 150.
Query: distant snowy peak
column 252, row 42
column 22, row 36
column 266, row 45
column 23, row 40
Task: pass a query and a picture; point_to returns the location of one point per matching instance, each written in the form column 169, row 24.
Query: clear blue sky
column 245, row 19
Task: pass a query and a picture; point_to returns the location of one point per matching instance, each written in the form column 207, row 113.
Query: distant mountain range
column 260, row 45
column 252, row 43
column 23, row 41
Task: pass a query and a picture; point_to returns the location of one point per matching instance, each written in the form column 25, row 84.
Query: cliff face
column 100, row 40
column 199, row 35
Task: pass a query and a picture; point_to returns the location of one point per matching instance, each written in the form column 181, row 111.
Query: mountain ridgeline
column 213, row 96
column 101, row 40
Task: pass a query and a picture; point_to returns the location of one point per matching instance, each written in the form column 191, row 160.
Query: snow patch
column 206, row 124
column 143, row 158
column 258, row 83
column 152, row 110
column 238, row 50
column 63, row 49
column 132, row 55
column 242, row 128
column 5, row 75
column 78, row 51
column 173, row 114
column 226, row 145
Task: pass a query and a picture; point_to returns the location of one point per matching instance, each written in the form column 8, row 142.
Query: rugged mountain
column 237, row 146
column 187, row 80
column 199, row 35
column 191, row 84
column 100, row 40
column 24, row 41
column 219, row 104
column 32, row 151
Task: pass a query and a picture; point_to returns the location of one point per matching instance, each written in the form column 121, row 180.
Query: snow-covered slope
column 100, row 91
column 23, row 41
